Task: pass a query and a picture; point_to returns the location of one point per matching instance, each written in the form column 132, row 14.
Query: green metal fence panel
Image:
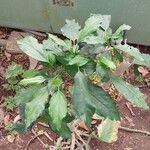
column 50, row 15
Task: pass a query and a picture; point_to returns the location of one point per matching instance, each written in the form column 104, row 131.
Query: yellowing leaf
column 108, row 130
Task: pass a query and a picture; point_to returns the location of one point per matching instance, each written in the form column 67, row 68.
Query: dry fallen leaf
column 11, row 138
column 6, row 119
column 2, row 72
column 8, row 56
column 33, row 63
column 143, row 71
column 130, row 120
column 82, row 125
column 1, row 115
column 17, row 118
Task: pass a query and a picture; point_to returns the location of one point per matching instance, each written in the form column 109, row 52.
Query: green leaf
column 93, row 39
column 106, row 62
column 58, row 108
column 106, row 22
column 35, row 107
column 78, row 60
column 64, row 131
column 32, row 48
column 120, row 30
column 146, row 61
column 103, row 72
column 9, row 103
column 71, row 70
column 57, row 40
column 51, row 59
column 88, row 99
column 33, row 80
column 30, row 73
column 13, row 70
column 130, row 92
column 65, row 57
column 137, row 74
column 56, row 82
column 117, row 55
column 92, row 49
column 89, row 68
column 91, row 25
column 26, row 95
column 108, row 130
column 131, row 51
column 53, row 47
column 71, row 29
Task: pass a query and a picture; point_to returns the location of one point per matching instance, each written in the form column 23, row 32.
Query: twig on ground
column 37, row 136
column 135, row 130
column 130, row 109
column 58, row 143
column 143, row 86
column 27, row 147
column 87, row 147
column 43, row 124
column 73, row 142
column 47, row 135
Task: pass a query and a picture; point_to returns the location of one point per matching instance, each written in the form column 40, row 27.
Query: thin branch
column 135, row 130
column 87, row 147
column 27, row 147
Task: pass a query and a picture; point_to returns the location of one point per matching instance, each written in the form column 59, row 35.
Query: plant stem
column 135, row 130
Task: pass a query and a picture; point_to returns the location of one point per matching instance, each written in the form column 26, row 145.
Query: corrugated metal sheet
column 50, row 15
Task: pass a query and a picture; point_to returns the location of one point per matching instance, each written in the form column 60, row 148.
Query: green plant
column 13, row 76
column 11, row 129
column 9, row 103
column 93, row 52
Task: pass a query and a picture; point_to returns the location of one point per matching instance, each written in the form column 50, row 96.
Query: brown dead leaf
column 11, row 138
column 143, row 71
column 33, row 63
column 82, row 125
column 1, row 115
column 2, row 72
column 130, row 120
column 6, row 119
column 129, row 106
column 8, row 56
column 17, row 118
column 39, row 67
